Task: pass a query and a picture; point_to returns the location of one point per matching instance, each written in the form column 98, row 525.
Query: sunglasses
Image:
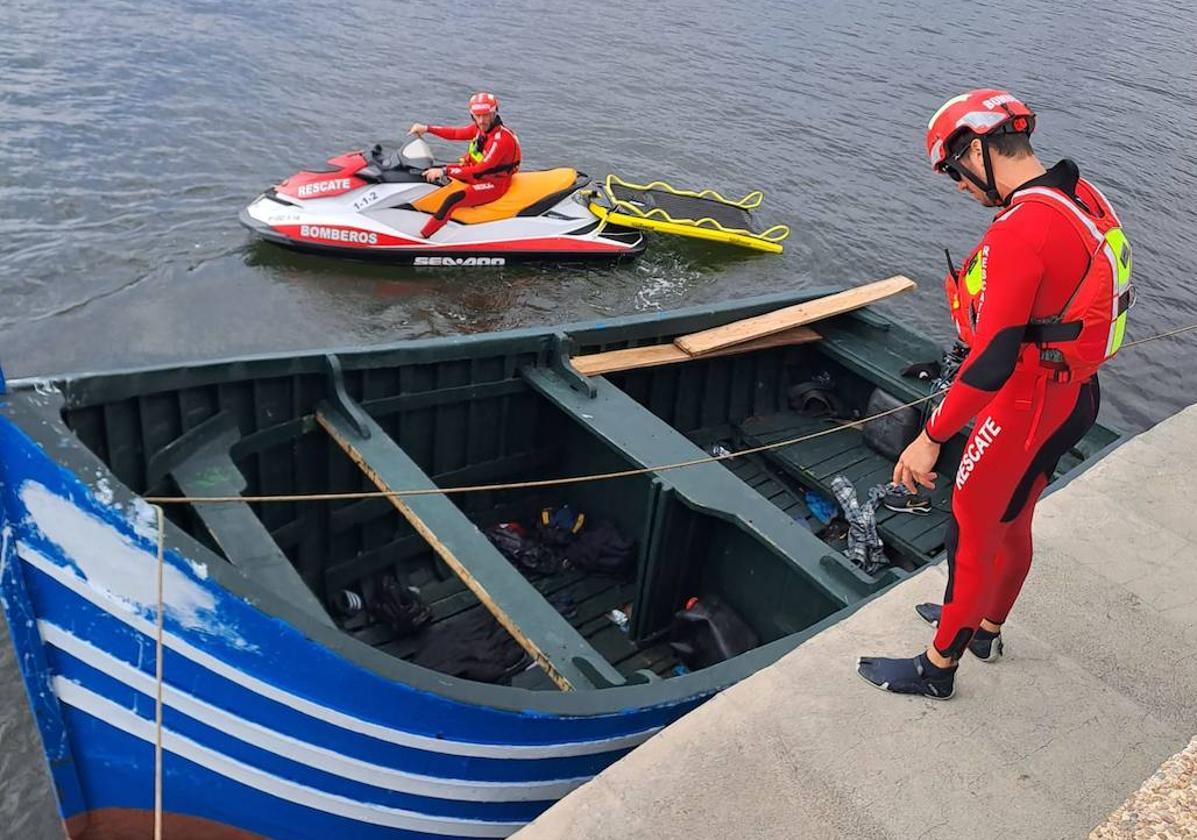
column 949, row 165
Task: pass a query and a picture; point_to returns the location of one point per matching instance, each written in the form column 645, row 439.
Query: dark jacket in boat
column 473, row 646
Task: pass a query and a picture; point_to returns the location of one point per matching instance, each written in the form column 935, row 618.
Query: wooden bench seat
column 200, row 464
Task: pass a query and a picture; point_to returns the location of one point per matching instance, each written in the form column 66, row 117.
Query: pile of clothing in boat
column 858, row 525
column 561, row 539
column 472, row 644
column 865, row 548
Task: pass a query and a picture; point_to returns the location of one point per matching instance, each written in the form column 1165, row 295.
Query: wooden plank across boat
column 288, row 712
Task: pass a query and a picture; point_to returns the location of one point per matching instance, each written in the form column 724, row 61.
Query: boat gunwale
column 83, row 388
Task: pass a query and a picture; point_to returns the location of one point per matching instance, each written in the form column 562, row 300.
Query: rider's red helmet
column 985, row 111
column 483, row 103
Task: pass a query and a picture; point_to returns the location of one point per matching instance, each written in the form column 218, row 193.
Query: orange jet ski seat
column 527, row 190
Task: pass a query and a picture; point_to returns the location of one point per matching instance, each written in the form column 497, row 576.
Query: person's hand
column 434, row 174
column 916, row 462
column 417, row 128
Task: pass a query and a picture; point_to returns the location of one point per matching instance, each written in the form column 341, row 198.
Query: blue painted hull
column 265, row 730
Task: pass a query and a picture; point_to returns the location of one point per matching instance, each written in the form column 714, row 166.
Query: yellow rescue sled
column 701, row 215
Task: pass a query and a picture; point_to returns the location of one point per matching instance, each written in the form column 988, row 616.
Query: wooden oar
column 718, row 338
column 594, row 364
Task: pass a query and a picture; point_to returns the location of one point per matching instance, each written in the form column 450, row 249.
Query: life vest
column 1090, row 328
column 963, row 289
column 476, row 151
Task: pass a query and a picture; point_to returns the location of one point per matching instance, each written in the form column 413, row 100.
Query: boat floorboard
column 761, row 477
column 584, row 599
column 755, row 471
column 814, row 463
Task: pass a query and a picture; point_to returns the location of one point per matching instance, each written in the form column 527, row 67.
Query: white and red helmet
column 983, row 112
column 483, row 103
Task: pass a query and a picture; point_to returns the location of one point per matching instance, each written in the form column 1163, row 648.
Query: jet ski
column 373, row 203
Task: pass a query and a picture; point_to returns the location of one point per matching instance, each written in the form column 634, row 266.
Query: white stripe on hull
column 67, row 578
column 299, row 751
column 132, row 724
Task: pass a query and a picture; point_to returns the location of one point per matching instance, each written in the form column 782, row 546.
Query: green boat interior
column 507, row 410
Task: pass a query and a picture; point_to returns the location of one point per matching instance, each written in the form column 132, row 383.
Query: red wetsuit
column 1032, row 258
column 487, row 167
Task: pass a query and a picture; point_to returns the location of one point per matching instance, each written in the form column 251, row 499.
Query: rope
column 158, row 679
column 1160, row 335
column 545, row 482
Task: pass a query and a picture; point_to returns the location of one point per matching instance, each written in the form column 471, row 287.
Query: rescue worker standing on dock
column 492, row 158
column 1041, row 303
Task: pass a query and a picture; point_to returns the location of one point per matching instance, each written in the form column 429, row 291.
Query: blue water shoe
column 908, row 676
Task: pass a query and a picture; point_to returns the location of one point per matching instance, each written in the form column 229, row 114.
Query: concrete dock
column 1097, row 691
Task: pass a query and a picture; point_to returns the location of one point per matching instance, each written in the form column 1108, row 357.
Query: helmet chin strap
column 990, row 187
column 987, row 186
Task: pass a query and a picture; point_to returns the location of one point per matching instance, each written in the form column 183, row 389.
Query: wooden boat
column 282, row 717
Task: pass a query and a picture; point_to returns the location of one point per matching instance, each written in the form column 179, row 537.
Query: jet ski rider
column 486, row 168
